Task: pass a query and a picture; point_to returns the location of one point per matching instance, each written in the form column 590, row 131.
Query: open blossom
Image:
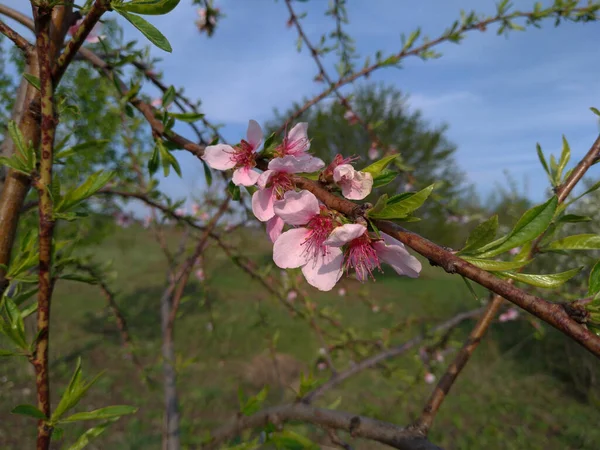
column 511, row 314
column 364, row 254
column 242, row 157
column 373, row 153
column 276, row 181
column 296, row 142
column 305, row 246
column 355, row 185
column 93, row 37
column 429, row 378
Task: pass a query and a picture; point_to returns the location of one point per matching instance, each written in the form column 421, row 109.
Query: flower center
column 320, row 227
column 281, row 183
column 361, row 256
column 294, row 148
column 244, row 155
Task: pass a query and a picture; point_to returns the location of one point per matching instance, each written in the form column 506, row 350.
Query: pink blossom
column 180, row 212
column 363, row 253
column 242, row 157
column 355, row 185
column 342, row 292
column 291, row 296
column 200, row 274
column 429, row 378
column 274, row 227
column 156, row 102
column 274, row 182
column 439, row 356
column 296, row 142
column 408, row 187
column 373, row 153
column 147, row 221
column 204, row 216
column 92, row 38
column 195, row 209
column 511, row 314
column 305, row 247
column 123, row 220
column 514, row 251
column 351, row 117
column 322, row 366
column 375, row 308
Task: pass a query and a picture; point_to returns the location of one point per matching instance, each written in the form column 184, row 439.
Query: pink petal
column 297, row 208
column 245, row 176
column 324, row 272
column 359, row 187
column 299, row 133
column 344, row 234
column 262, row 204
column 343, row 173
column 288, row 251
column 219, row 156
column 274, row 228
column 393, row 253
column 264, row 178
column 296, row 164
column 254, row 134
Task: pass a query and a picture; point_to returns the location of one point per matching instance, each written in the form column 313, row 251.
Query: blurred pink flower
column 147, row 221
column 511, row 314
column 204, row 216
column 373, row 153
column 350, row 117
column 157, row 102
column 429, row 378
column 375, row 308
column 92, row 38
column 291, row 296
column 123, row 220
column 322, row 366
column 341, row 291
column 514, row 251
column 200, row 274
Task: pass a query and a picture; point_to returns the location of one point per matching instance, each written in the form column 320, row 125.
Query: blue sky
column 498, row 95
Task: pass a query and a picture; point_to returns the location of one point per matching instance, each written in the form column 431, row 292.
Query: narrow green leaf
column 108, row 412
column 544, row 281
column 90, row 434
column 97, row 144
column 385, row 177
column 565, row 156
column 17, row 137
column 233, row 191
column 576, row 242
column 154, row 161
column 33, row 80
column 594, row 280
column 378, row 166
column 207, row 173
column 169, row 97
column 540, row 154
column 93, row 184
column 189, row 117
column 404, row 207
column 595, row 111
column 29, row 410
column 148, row 30
column 149, row 7
column 481, row 235
column 573, row 218
column 496, row 266
column 4, row 353
column 531, row 224
column 381, row 203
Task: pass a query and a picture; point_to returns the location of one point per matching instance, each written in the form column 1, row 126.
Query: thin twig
column 22, row 43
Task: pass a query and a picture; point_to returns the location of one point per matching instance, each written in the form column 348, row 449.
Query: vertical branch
column 46, row 225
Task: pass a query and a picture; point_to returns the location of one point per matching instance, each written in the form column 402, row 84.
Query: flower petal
column 254, row 134
column 264, row 178
column 297, row 208
column 274, row 228
column 288, row 252
column 325, row 271
column 298, row 137
column 359, row 187
column 344, row 234
column 343, row 173
column 219, row 156
column 262, row 204
column 393, row 253
column 245, row 176
column 296, row 164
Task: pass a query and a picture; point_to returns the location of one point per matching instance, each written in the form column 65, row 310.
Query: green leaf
column 90, row 434
column 594, row 280
column 154, row 161
column 148, row 7
column 207, row 173
column 595, row 111
column 189, row 117
column 93, row 184
column 533, row 223
column 481, row 235
column 540, row 154
column 108, row 412
column 13, row 327
column 399, row 197
column 169, row 96
column 29, row 410
column 404, row 207
column 496, row 266
column 385, row 177
column 97, row 144
column 289, row 440
column 544, row 281
column 576, row 242
column 253, row 404
column 4, row 353
column 573, row 218
column 564, row 159
column 381, row 203
column 378, row 166
column 168, row 160
column 33, row 80
column 233, row 191
column 148, row 30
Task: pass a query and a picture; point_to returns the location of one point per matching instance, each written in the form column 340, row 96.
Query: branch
column 22, row 43
column 357, row 426
column 388, row 354
column 462, row 358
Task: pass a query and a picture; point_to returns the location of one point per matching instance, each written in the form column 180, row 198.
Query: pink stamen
column 244, row 155
column 281, row 182
column 361, row 256
column 320, row 227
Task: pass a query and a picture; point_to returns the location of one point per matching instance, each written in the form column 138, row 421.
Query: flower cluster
column 321, row 242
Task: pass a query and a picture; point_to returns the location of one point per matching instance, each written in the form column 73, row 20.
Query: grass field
column 518, row 392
